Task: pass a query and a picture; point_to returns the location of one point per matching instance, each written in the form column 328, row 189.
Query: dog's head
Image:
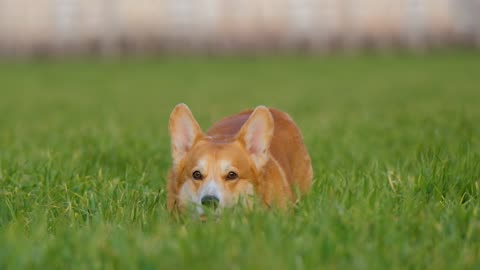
column 213, row 172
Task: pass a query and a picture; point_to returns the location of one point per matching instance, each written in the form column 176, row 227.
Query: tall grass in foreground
column 395, row 144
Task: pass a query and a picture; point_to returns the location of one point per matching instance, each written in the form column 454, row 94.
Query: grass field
column 395, row 143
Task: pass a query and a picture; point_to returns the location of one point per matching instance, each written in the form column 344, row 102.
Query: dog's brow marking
column 202, row 164
column 225, row 165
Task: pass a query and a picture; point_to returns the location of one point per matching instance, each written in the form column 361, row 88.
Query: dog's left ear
column 184, row 132
column 256, row 134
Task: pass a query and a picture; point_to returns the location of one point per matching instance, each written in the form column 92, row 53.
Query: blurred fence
column 117, row 26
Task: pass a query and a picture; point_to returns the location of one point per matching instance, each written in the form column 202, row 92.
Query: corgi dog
column 254, row 155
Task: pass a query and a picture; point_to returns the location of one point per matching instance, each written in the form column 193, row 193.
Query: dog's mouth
column 205, row 214
column 208, row 211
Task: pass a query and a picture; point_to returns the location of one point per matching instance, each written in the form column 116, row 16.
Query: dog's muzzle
column 210, row 201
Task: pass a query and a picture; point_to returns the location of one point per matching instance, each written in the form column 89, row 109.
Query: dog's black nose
column 210, row 201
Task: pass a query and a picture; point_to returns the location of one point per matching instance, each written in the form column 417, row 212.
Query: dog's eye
column 232, row 176
column 197, row 175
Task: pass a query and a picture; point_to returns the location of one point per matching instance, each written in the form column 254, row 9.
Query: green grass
column 395, row 143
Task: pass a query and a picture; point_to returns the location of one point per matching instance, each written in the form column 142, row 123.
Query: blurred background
column 113, row 27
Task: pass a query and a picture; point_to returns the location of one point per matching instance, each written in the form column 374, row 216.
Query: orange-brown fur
column 288, row 166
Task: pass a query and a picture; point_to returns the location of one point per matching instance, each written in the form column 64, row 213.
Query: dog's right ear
column 184, row 132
